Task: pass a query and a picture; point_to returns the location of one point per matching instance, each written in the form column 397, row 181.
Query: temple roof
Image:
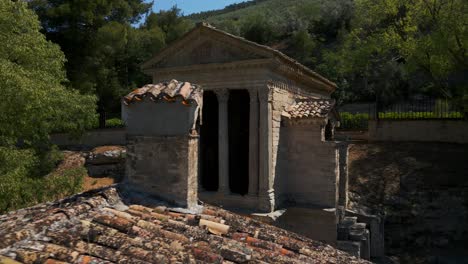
column 310, row 108
column 265, row 51
column 109, row 226
column 168, row 91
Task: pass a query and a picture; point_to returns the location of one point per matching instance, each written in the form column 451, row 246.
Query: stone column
column 223, row 137
column 266, row 192
column 253, row 143
column 343, row 180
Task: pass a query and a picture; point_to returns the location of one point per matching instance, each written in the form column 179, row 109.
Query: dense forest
column 64, row 64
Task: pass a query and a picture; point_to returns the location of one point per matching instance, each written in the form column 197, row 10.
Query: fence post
column 376, row 108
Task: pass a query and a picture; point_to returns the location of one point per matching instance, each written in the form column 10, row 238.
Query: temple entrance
column 209, row 143
column 238, row 124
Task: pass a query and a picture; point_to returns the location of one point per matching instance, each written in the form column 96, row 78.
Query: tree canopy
column 34, row 103
column 102, row 45
column 32, row 77
column 421, row 42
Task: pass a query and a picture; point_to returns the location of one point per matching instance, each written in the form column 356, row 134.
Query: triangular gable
column 206, row 44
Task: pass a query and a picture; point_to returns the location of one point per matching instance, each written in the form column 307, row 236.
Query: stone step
column 358, row 226
column 353, row 248
column 357, row 234
column 348, row 221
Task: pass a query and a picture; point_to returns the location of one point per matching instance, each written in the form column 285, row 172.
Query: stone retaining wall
column 91, row 139
column 454, row 131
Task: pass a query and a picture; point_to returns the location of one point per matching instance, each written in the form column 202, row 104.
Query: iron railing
column 424, row 108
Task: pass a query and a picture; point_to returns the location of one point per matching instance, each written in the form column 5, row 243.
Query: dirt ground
column 422, row 191
column 75, row 159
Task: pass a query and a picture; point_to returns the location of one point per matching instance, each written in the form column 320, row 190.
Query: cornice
column 255, row 63
column 298, row 76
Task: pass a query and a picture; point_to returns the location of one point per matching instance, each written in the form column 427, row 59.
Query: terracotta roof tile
column 105, row 227
column 168, row 91
column 310, row 108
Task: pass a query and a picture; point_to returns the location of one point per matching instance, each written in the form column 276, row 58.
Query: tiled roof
column 168, row 91
column 105, row 227
column 310, row 108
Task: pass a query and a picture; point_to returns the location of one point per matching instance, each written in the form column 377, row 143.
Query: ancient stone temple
column 247, row 89
column 258, row 136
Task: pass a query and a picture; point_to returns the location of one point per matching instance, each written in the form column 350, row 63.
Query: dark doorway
column 209, row 142
column 329, row 131
column 238, row 113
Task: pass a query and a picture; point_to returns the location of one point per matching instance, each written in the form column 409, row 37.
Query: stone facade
column 307, row 166
column 291, row 165
column 162, row 150
column 165, row 167
column 220, row 62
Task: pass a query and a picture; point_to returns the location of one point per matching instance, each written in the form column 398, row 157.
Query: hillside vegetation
column 390, row 50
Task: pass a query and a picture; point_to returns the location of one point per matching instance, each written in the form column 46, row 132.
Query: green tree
column 258, row 28
column 422, row 42
column 170, row 22
column 31, row 80
column 94, row 36
column 303, row 45
column 35, row 103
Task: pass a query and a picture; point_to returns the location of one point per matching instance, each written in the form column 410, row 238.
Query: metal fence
column 423, row 108
column 356, row 116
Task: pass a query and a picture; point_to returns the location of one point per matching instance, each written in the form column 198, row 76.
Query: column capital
column 253, row 94
column 222, row 95
column 264, row 94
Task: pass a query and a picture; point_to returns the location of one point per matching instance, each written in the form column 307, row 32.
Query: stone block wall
column 454, row 131
column 280, row 99
column 307, row 168
column 282, row 94
column 315, row 223
column 90, row 139
column 164, row 166
column 158, row 118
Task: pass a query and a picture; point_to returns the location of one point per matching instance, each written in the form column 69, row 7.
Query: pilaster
column 266, row 191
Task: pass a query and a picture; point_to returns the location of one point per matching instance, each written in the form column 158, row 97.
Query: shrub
column 23, row 185
column 354, row 121
column 419, row 115
column 114, row 122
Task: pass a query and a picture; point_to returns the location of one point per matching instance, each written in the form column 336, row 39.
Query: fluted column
column 266, row 192
column 223, row 143
column 253, row 143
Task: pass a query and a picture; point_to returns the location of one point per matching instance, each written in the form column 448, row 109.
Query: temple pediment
column 205, row 45
column 206, row 50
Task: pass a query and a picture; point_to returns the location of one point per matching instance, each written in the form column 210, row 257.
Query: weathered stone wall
column 282, row 94
column 307, row 170
column 280, row 99
column 90, row 139
column 314, row 223
column 455, row 131
column 343, row 179
column 159, row 118
column 164, row 166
